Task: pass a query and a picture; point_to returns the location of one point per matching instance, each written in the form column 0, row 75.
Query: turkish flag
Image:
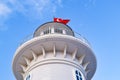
column 64, row 21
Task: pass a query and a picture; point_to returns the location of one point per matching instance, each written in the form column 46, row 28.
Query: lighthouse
column 54, row 53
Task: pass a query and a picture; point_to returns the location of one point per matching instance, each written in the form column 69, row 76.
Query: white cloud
column 29, row 8
column 35, row 8
column 4, row 10
column 89, row 3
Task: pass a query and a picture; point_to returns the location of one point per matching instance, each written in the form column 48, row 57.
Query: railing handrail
column 77, row 35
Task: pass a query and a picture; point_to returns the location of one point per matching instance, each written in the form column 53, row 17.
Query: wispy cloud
column 35, row 8
column 27, row 8
column 4, row 10
column 88, row 3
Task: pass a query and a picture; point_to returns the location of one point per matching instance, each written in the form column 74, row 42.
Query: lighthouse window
column 58, row 31
column 28, row 77
column 78, row 75
column 47, row 31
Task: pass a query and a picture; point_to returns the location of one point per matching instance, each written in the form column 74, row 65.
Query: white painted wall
column 53, row 72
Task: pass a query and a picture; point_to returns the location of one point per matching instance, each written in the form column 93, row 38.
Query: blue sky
column 97, row 20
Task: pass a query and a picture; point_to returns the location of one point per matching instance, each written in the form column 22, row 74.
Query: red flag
column 64, row 21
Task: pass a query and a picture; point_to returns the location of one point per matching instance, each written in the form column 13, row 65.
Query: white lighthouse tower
column 54, row 53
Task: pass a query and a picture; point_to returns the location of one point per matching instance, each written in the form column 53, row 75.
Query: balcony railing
column 77, row 35
column 82, row 38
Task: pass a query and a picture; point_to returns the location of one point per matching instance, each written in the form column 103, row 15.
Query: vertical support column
column 43, row 51
column 65, row 51
column 74, row 54
column 42, row 33
column 54, row 50
column 52, row 30
column 64, row 31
